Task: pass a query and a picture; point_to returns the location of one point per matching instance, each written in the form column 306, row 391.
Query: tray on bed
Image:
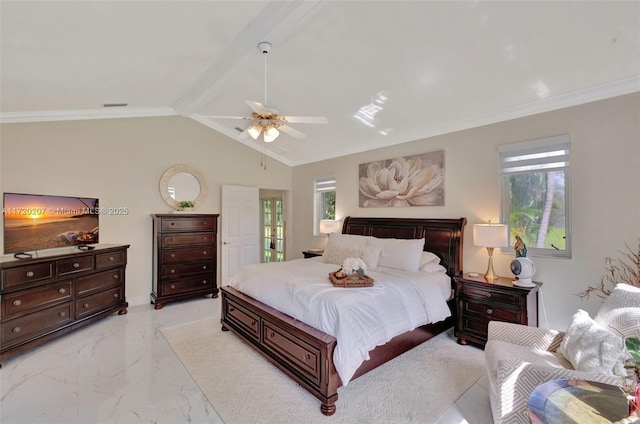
column 352, row 280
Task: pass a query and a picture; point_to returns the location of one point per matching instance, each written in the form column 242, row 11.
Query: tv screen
column 36, row 222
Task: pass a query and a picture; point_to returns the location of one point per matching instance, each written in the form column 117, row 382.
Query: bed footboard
column 300, row 351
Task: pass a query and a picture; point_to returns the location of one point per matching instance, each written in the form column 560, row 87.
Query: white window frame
column 535, row 156
column 321, row 186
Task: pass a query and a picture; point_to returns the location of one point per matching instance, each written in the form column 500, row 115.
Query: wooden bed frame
column 306, row 354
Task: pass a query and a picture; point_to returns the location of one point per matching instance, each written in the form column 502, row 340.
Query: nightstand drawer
column 494, row 295
column 491, row 311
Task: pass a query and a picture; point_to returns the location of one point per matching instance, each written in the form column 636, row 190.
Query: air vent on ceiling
column 115, row 104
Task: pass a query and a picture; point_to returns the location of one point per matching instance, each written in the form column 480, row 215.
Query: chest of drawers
column 59, row 291
column 184, row 257
column 480, row 301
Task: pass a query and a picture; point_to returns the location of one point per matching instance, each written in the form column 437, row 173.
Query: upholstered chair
column 520, row 358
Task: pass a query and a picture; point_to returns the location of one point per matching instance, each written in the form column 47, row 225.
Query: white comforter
column 359, row 318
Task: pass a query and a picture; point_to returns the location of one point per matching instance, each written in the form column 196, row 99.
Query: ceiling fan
column 267, row 121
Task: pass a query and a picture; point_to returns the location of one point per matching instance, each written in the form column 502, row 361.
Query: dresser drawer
column 74, row 265
column 302, row 355
column 187, row 239
column 107, row 260
column 36, row 298
column 490, row 311
column 187, row 284
column 98, row 302
column 37, row 323
column 25, row 275
column 99, row 281
column 179, row 269
column 246, row 320
column 488, row 293
column 182, row 255
column 188, row 224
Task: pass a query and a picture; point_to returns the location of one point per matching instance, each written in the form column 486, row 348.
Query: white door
column 239, row 229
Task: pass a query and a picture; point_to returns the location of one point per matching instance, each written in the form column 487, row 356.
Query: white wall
column 120, row 161
column 605, row 200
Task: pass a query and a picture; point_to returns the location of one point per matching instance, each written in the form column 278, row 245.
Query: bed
column 305, row 353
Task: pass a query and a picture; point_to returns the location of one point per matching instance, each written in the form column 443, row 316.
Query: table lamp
column 328, row 226
column 490, row 236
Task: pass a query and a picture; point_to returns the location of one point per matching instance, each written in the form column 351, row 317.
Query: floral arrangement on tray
column 352, row 274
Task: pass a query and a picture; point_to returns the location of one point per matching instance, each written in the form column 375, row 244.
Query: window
column 535, row 194
column 325, row 201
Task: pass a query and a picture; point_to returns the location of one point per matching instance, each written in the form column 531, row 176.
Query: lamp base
column 490, row 275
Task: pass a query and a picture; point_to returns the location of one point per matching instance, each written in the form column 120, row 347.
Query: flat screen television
column 34, row 221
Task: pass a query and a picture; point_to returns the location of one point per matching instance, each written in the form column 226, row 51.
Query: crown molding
column 76, row 115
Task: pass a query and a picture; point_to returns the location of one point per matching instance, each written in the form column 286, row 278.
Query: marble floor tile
column 122, row 370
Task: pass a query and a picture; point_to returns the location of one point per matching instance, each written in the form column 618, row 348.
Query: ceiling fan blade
column 226, row 117
column 291, row 131
column 306, row 119
column 257, row 107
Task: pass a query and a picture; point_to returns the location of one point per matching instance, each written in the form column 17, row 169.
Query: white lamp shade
column 270, row 133
column 328, row 226
column 254, row 131
column 491, row 235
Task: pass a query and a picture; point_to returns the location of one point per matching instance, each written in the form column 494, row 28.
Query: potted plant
column 185, row 204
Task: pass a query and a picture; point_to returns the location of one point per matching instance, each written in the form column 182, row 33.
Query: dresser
column 184, row 257
column 60, row 290
column 480, row 301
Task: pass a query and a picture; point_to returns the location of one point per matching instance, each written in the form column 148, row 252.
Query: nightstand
column 310, row 253
column 480, row 301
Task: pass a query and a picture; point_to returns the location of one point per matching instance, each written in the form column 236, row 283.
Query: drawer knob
column 488, row 294
column 29, row 273
column 173, row 223
column 116, row 276
column 307, row 357
column 272, row 335
column 171, row 239
column 173, row 286
column 204, row 267
column 173, row 255
column 16, row 329
column 17, row 302
column 204, row 281
column 115, row 295
column 62, row 314
column 173, row 271
column 253, row 324
column 76, row 265
column 85, row 306
column 231, row 309
column 62, row 290
column 205, row 238
column 489, row 311
column 111, row 259
column 204, row 252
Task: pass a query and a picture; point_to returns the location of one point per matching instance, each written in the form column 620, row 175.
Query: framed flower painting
column 416, row 180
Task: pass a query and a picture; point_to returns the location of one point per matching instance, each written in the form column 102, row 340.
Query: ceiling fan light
column 255, row 130
column 270, row 133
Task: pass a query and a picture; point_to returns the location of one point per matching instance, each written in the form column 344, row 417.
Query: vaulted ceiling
column 381, row 72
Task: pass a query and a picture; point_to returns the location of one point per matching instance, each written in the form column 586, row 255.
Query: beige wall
column 120, row 161
column 605, row 200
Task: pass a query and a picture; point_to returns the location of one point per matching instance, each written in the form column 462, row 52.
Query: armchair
column 520, row 358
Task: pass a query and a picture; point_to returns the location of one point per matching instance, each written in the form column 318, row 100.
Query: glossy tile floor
column 122, row 370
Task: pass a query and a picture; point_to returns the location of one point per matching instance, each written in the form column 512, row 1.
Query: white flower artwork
column 406, row 181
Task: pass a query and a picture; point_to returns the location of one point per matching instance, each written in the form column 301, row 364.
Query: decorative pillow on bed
column 592, row 348
column 399, row 253
column 369, row 254
column 621, row 311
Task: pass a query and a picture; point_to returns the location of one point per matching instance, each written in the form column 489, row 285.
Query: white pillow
column 399, row 253
column 337, row 255
column 345, row 241
column 371, row 255
column 592, row 348
column 621, row 311
column 428, row 257
column 432, row 267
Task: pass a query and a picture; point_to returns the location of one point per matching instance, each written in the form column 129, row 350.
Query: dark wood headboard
column 443, row 237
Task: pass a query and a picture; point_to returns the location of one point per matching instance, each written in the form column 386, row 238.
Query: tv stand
column 59, row 291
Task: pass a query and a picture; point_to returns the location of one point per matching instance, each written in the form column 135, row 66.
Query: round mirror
column 182, row 183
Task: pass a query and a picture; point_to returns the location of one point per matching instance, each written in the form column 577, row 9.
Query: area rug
column 244, row 388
